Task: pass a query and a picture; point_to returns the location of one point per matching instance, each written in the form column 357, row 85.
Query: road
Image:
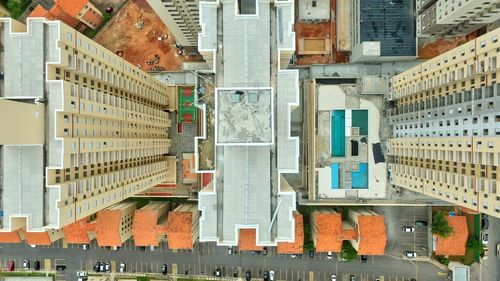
column 208, row 256
column 492, row 268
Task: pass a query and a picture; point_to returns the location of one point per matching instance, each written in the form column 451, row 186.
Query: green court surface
column 187, row 110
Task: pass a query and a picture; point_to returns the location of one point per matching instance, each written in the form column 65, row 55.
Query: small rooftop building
column 372, row 235
column 383, row 30
column 80, row 232
column 314, row 10
column 183, row 227
column 114, row 224
column 247, row 238
column 149, row 225
column 456, row 243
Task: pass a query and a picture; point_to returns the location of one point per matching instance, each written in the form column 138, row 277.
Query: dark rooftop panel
column 392, row 22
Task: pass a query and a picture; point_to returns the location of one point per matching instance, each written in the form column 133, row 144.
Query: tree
column 348, row 252
column 442, row 260
column 475, row 245
column 440, row 224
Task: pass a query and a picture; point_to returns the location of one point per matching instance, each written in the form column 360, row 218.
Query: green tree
column 475, row 245
column 348, row 252
column 440, row 224
column 442, row 260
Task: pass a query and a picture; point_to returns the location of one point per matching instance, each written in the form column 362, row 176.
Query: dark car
column 311, row 254
column 364, row 259
column 248, row 275
column 60, row 267
column 299, row 256
column 485, row 223
column 11, row 266
column 164, row 269
column 235, row 273
column 266, row 275
column 36, row 265
column 97, row 266
column 420, row 223
column 264, row 251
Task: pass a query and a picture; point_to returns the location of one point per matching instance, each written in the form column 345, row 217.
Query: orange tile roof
column 10, row 237
column 92, row 17
column 40, row 12
column 329, row 232
column 77, row 232
column 372, row 235
column 107, row 228
column 350, row 234
column 298, row 246
column 72, row 7
column 145, row 229
column 456, row 243
column 37, row 238
column 248, row 239
column 188, row 169
column 179, row 227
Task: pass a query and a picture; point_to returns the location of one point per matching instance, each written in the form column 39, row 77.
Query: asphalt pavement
column 208, row 256
column 492, row 264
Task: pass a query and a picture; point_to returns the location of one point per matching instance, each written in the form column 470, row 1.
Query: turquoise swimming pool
column 360, row 178
column 338, row 133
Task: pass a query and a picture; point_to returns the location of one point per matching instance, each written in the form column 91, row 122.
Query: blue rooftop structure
column 392, row 23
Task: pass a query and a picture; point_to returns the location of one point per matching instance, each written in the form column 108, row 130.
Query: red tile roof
column 10, row 237
column 107, row 228
column 372, row 236
column 145, row 230
column 78, row 232
column 248, row 239
column 72, row 7
column 456, row 243
column 37, row 238
column 179, row 230
column 298, row 246
column 40, row 12
column 350, row 234
column 329, row 232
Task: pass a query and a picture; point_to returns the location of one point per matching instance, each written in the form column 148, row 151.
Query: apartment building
column 113, row 225
column 181, row 17
column 454, row 17
column 82, row 129
column 446, row 126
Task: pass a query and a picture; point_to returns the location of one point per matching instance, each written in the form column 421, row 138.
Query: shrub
column 440, row 224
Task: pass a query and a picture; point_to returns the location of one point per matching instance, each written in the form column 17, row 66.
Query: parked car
column 123, row 267
column 164, row 269
column 85, row 247
column 410, row 254
column 248, row 276
column 299, row 256
column 271, row 275
column 293, row 255
column 235, row 273
column 264, row 251
column 60, row 267
column 484, row 238
column 352, row 278
column 420, row 223
column 334, row 277
column 218, row 272
column 11, row 266
column 230, row 250
column 364, row 259
column 266, row 275
column 26, row 264
column 36, row 265
column 329, row 255
column 107, row 267
column 97, row 266
column 498, row 249
column 408, row 229
column 311, row 254
column 485, row 223
column 101, row 267
column 81, row 273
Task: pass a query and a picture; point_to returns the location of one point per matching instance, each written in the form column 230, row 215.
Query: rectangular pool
column 338, row 133
column 335, row 175
column 360, row 178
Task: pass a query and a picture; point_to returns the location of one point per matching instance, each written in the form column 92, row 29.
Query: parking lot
column 399, row 241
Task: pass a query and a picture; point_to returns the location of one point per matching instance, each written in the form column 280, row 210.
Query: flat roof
column 390, row 22
column 244, row 116
column 311, row 10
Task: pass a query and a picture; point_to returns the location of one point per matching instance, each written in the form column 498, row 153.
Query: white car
column 410, row 254
column 408, row 229
column 329, row 255
column 26, row 264
column 123, row 267
column 484, row 238
column 81, row 273
column 271, row 275
column 334, row 277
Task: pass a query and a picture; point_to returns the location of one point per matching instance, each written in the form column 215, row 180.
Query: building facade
column 454, row 17
column 86, row 129
column 446, row 126
column 181, row 17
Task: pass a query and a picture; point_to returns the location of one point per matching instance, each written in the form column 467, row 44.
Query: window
column 69, row 36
